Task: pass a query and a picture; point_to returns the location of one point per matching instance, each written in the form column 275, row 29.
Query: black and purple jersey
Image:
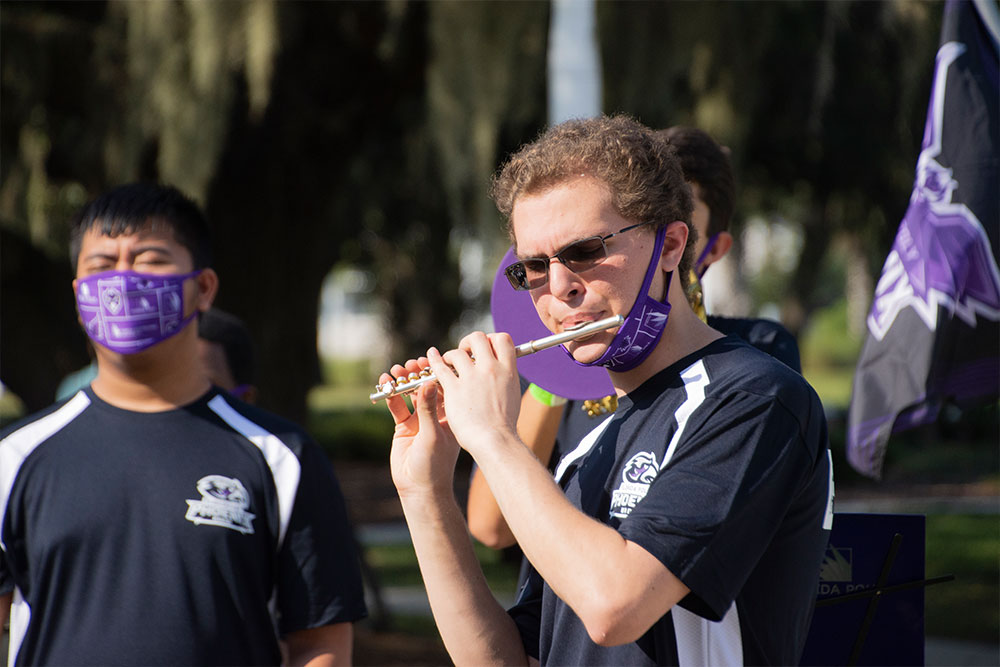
column 719, row 467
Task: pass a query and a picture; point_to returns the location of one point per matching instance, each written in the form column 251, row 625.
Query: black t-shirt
column 719, row 467
column 192, row 536
column 765, row 335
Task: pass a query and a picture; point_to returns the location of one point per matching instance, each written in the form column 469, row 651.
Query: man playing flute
column 689, row 529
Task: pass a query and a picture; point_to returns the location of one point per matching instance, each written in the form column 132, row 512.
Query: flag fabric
column 933, row 333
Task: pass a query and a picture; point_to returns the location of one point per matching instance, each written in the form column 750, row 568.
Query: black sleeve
column 713, row 510
column 527, row 612
column 6, row 578
column 319, row 575
column 764, row 334
column 781, row 344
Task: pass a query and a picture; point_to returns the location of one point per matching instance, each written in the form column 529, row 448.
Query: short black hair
column 706, row 163
column 129, row 208
column 229, row 331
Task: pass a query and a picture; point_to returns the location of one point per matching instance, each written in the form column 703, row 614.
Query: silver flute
column 411, row 382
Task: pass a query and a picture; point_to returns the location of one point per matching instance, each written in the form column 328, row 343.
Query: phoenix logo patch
column 224, row 502
column 638, row 474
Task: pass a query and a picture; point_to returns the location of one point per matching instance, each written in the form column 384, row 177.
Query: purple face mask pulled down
column 128, row 312
column 643, row 326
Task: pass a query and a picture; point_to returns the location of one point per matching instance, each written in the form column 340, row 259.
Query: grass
column 969, row 607
column 419, row 625
column 396, row 565
column 967, row 546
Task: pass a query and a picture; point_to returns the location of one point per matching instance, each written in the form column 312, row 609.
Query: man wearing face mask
column 689, row 528
column 151, row 518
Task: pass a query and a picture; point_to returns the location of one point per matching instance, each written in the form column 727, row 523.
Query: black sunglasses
column 579, row 256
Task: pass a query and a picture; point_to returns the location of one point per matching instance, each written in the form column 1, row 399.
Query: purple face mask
column 128, row 312
column 643, row 326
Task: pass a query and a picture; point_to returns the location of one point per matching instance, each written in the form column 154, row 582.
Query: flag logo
column 941, row 255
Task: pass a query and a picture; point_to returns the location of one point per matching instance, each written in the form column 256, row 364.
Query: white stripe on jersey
column 700, row 641
column 703, row 642
column 17, row 446
column 284, row 465
column 581, row 450
column 20, row 616
column 695, row 380
column 828, row 516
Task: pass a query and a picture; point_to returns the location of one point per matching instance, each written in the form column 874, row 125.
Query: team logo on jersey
column 224, row 502
column 637, row 475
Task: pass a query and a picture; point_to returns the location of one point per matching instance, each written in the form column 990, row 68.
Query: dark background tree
column 313, row 134
column 822, row 104
column 325, row 134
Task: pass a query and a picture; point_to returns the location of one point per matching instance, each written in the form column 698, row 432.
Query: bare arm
column 325, row 646
column 537, row 426
column 5, row 601
column 474, row 627
column 616, row 587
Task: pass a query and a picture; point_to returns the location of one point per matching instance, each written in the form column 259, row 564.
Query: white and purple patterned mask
column 643, row 326
column 127, row 312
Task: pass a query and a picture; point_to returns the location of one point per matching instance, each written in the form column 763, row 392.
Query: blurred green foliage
column 968, row 607
column 351, row 433
column 829, row 354
column 396, row 565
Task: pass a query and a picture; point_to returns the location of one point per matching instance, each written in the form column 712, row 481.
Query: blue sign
column 854, row 625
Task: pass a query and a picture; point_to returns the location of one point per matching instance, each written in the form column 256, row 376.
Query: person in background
column 550, row 425
column 227, row 353
column 708, row 171
column 152, row 518
column 690, row 527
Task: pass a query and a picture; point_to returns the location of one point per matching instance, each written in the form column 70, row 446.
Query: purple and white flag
column 933, row 333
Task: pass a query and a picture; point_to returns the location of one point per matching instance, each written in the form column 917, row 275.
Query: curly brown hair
column 642, row 172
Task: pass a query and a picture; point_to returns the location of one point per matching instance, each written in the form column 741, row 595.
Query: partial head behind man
column 708, row 171
column 227, row 352
column 707, row 165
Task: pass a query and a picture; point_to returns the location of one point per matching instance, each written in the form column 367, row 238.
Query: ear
column 208, row 287
column 723, row 243
column 674, row 242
